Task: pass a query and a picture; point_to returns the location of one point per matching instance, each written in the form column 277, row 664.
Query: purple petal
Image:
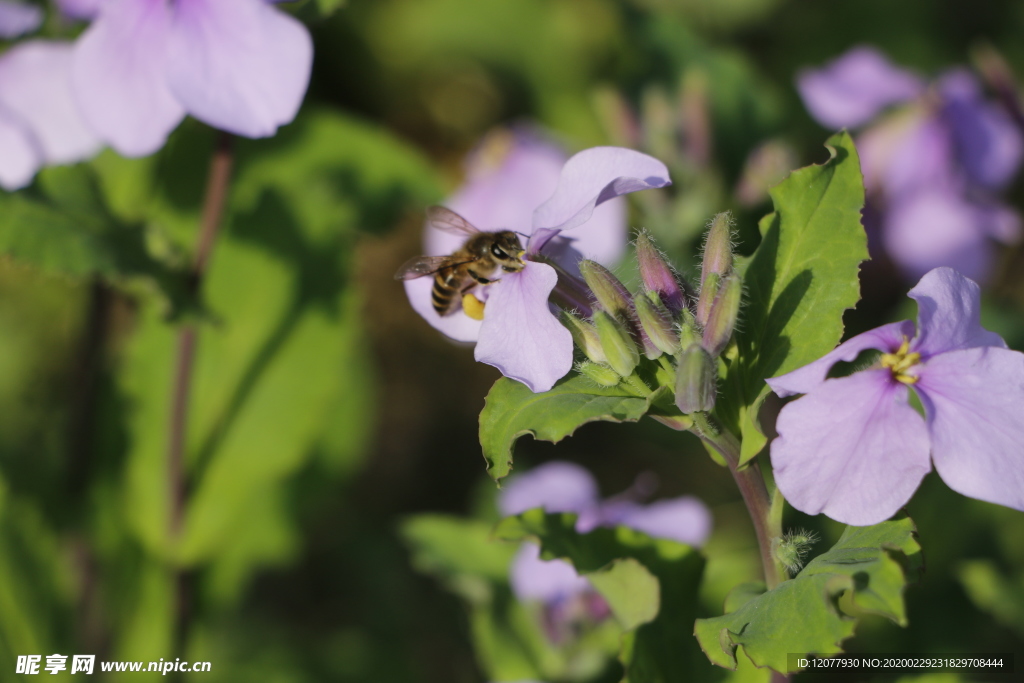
column 974, row 399
column 685, row 519
column 456, row 324
column 603, row 241
column 594, row 176
column 1000, row 221
column 808, row 378
column 555, row 486
column 909, row 150
column 545, row 580
column 35, row 86
column 852, row 449
column 605, row 238
column 239, row 65
column 520, row 336
column 17, row 18
column 988, row 142
column 21, row 158
column 118, row 76
column 855, row 87
column 934, row 227
column 949, row 314
column 507, row 176
column 79, row 9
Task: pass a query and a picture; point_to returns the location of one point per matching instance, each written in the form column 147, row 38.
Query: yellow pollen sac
column 900, row 362
column 473, row 307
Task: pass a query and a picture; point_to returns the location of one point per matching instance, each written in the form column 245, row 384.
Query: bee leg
column 478, row 280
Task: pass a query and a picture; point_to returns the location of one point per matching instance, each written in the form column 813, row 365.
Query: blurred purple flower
column 566, row 487
column 79, row 9
column 18, row 18
column 39, row 121
column 933, row 167
column 519, row 334
column 853, row 447
column 238, row 65
column 850, row 91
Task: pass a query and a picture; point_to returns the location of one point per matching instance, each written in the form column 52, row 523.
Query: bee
column 470, row 265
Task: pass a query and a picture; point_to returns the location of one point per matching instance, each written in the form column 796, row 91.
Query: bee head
column 508, row 251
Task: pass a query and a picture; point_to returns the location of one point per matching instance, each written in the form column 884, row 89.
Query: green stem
column 765, row 515
column 217, row 185
column 667, row 366
column 638, row 384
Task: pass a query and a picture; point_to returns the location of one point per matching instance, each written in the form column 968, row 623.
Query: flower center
column 901, row 361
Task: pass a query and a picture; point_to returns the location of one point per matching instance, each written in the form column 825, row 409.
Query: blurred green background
column 325, row 412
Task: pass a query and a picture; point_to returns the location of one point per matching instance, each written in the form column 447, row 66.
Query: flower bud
column 696, row 378
column 610, row 293
column 657, row 274
column 658, row 123
column 722, row 321
column 601, row 374
column 584, row 336
column 656, row 322
column 617, row 343
column 708, row 291
column 616, row 117
column 717, row 248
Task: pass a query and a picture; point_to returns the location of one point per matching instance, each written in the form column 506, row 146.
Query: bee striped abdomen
column 442, row 295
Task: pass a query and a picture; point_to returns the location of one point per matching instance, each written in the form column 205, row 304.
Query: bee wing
column 448, row 221
column 421, row 266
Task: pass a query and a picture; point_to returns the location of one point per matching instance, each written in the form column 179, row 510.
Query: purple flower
column 933, row 167
column 17, row 18
column 39, row 121
column 855, row 87
column 79, row 9
column 566, row 487
column 854, row 448
column 239, row 65
column 519, row 333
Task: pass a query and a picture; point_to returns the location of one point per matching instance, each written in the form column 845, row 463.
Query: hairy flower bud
column 618, row 345
column 717, row 248
column 610, row 293
column 708, row 291
column 696, row 378
column 584, row 336
column 656, row 322
column 601, row 374
column 658, row 275
column 724, row 312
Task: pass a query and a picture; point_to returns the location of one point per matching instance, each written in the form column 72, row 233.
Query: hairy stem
column 750, row 481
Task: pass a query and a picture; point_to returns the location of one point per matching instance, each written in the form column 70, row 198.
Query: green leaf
column 992, row 591
column 445, row 546
column 798, row 283
column 62, row 226
column 512, row 410
column 37, row 589
column 864, row 573
column 650, row 584
column 508, row 635
column 328, row 7
column 280, row 381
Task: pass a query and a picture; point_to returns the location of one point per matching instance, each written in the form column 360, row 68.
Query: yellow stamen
column 473, row 307
column 900, row 362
